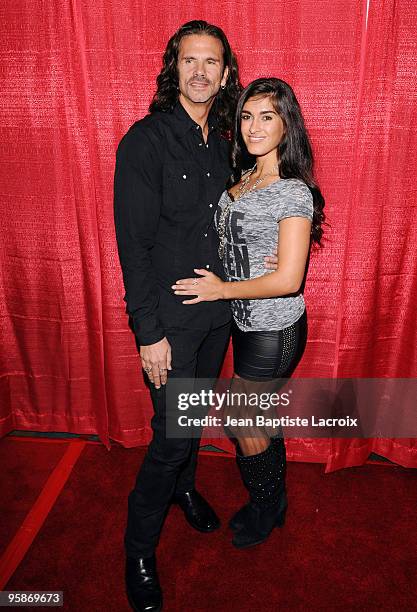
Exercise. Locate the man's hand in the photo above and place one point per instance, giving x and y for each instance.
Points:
(156, 361)
(271, 262)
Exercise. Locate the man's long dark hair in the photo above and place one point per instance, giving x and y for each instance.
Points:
(294, 152)
(167, 92)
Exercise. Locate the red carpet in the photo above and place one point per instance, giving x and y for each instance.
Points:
(34, 519)
(349, 542)
(21, 486)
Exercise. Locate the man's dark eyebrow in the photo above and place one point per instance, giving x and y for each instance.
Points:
(213, 59)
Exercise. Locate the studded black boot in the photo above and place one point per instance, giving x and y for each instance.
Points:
(238, 519)
(264, 477)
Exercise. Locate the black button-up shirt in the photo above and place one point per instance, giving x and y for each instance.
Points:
(166, 188)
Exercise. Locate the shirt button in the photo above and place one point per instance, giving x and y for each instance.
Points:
(211, 205)
(208, 173)
(207, 146)
(205, 235)
(207, 266)
(184, 176)
(200, 144)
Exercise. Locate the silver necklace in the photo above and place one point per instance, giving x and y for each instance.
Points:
(243, 188)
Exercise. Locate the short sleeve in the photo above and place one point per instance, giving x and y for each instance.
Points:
(294, 200)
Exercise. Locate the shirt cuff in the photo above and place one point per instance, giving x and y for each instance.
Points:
(148, 331)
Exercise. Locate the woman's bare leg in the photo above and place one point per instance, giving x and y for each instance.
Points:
(257, 443)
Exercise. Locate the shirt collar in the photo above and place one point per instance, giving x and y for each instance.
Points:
(183, 122)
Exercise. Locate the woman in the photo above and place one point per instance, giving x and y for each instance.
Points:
(275, 205)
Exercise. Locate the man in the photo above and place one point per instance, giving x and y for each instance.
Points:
(171, 168)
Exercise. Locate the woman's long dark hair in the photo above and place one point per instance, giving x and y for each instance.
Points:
(167, 92)
(294, 152)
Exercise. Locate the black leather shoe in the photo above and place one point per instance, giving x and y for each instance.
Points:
(197, 511)
(142, 584)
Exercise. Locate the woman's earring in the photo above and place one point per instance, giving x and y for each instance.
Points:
(222, 86)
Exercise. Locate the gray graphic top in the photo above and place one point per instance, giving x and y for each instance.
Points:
(252, 231)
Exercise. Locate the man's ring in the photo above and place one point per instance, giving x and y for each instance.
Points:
(147, 369)
(195, 282)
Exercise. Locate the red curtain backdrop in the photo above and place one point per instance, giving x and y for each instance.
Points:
(76, 75)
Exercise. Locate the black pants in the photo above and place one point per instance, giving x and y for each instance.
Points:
(170, 463)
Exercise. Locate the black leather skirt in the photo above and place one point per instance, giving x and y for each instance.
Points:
(263, 355)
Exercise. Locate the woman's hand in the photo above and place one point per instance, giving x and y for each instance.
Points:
(208, 287)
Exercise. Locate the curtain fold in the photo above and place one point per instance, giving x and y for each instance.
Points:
(75, 76)
(378, 290)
